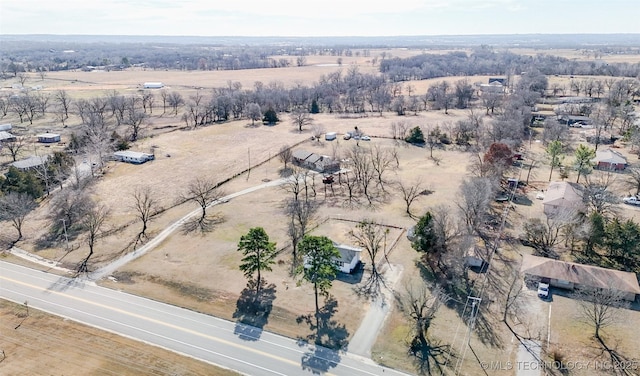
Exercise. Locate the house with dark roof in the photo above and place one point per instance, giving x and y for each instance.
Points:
(609, 159)
(313, 161)
(562, 196)
(570, 275)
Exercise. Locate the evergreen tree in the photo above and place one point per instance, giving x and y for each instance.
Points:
(415, 136)
(259, 254)
(270, 116)
(315, 109)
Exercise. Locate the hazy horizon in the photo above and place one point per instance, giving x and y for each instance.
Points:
(330, 18)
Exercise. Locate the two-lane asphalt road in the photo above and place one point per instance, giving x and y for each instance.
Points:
(242, 348)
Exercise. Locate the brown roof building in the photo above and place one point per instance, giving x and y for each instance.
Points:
(569, 275)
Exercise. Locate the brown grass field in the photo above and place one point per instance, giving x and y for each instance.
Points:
(200, 271)
(49, 345)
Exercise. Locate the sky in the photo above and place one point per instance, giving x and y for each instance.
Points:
(318, 17)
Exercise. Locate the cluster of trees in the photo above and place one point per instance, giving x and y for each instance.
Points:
(486, 61)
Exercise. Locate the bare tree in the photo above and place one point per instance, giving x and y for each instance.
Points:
(285, 154)
(544, 234)
(301, 214)
(420, 306)
(145, 205)
(410, 193)
(381, 160)
(301, 117)
(135, 119)
(317, 131)
(600, 308)
(473, 202)
(203, 192)
(64, 101)
(598, 196)
(15, 207)
(372, 237)
(93, 222)
(14, 147)
(175, 101)
(634, 181)
(253, 112)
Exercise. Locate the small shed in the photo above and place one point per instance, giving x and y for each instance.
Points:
(31, 162)
(330, 136)
(6, 137)
(473, 258)
(48, 138)
(153, 85)
(609, 159)
(134, 157)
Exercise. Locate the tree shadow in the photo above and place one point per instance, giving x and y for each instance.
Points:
(458, 292)
(207, 224)
(285, 172)
(252, 310)
(430, 358)
(330, 333)
(320, 360)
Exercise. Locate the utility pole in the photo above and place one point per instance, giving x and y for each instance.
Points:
(66, 237)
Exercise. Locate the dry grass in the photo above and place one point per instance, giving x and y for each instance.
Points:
(46, 344)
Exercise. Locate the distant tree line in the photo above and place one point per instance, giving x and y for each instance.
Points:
(485, 61)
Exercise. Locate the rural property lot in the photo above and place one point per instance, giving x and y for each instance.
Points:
(200, 270)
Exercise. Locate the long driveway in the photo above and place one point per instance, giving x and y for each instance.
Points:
(245, 349)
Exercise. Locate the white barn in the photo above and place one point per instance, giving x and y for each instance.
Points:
(135, 157)
(153, 85)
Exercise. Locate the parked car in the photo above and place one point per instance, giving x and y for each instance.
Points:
(543, 290)
(365, 138)
(631, 200)
(347, 136)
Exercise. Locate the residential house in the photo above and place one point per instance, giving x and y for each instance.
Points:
(31, 162)
(313, 161)
(609, 159)
(561, 197)
(570, 275)
(135, 157)
(6, 137)
(348, 260)
(48, 138)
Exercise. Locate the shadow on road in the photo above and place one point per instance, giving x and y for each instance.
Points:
(330, 333)
(64, 283)
(320, 360)
(253, 309)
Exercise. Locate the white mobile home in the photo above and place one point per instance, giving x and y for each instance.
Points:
(48, 138)
(5, 127)
(135, 157)
(153, 85)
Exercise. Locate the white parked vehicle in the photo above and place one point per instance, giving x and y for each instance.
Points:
(543, 290)
(631, 200)
(365, 138)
